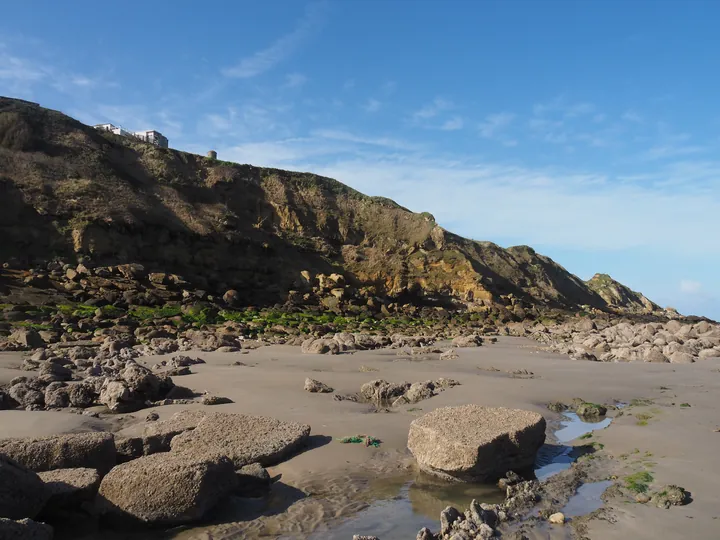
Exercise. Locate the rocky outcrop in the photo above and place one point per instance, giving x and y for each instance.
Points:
(473, 443)
(165, 489)
(243, 438)
(95, 450)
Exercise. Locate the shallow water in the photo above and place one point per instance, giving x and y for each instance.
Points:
(574, 427)
(417, 503)
(587, 499)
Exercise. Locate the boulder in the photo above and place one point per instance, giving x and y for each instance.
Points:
(681, 358)
(57, 395)
(28, 338)
(68, 489)
(54, 371)
(22, 493)
(381, 390)
(314, 386)
(166, 489)
(95, 450)
(140, 380)
(419, 391)
(215, 400)
(320, 346)
(591, 410)
(467, 341)
(24, 529)
(117, 396)
(243, 438)
(231, 297)
(253, 481)
(82, 395)
(473, 443)
(26, 395)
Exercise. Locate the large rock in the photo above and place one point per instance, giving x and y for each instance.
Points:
(68, 489)
(117, 396)
(243, 438)
(28, 338)
(24, 529)
(381, 390)
(315, 386)
(473, 443)
(320, 346)
(95, 450)
(467, 341)
(157, 435)
(166, 489)
(22, 493)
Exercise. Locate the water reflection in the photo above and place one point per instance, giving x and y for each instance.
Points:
(405, 504)
(575, 427)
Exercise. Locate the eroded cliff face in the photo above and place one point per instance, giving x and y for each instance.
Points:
(618, 296)
(68, 190)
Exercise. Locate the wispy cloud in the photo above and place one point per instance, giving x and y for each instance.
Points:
(21, 73)
(265, 59)
(295, 80)
(372, 105)
(340, 135)
(453, 124)
(431, 110)
(494, 124)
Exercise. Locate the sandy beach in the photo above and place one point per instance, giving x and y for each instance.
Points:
(331, 482)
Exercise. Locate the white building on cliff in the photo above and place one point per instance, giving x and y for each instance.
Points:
(151, 136)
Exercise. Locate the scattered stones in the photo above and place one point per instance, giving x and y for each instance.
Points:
(315, 386)
(166, 489)
(243, 438)
(450, 354)
(473, 443)
(95, 450)
(22, 493)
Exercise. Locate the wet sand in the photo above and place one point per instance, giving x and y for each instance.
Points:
(342, 478)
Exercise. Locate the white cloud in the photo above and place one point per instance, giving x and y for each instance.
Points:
(431, 110)
(266, 59)
(494, 123)
(294, 80)
(689, 286)
(453, 124)
(372, 105)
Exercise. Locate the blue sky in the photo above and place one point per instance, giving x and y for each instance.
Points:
(589, 130)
